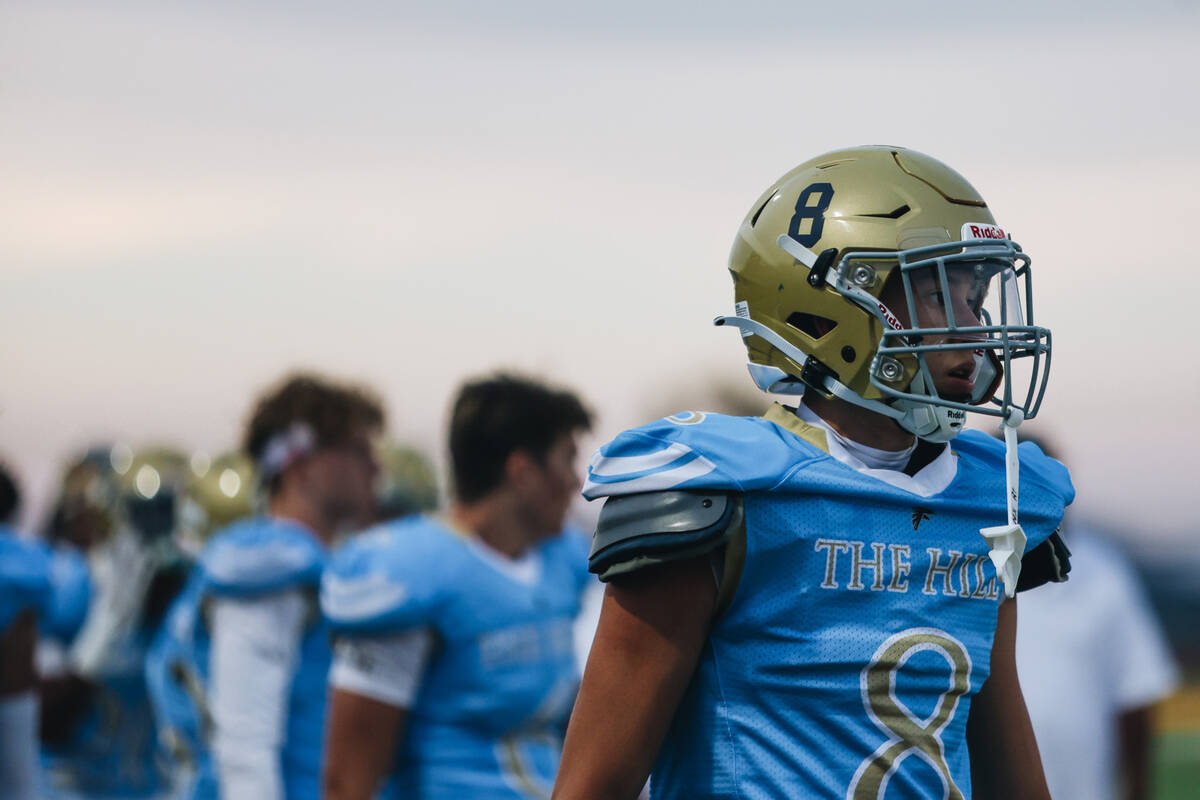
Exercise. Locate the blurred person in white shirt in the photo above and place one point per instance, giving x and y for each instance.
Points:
(1093, 663)
(247, 630)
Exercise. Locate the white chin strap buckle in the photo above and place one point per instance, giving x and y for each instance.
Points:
(1007, 544)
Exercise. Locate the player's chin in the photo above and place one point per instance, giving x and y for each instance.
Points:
(955, 397)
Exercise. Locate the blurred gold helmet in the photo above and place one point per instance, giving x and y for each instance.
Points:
(407, 481)
(88, 505)
(221, 491)
(152, 490)
(809, 266)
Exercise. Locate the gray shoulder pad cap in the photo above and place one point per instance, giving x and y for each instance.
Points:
(641, 529)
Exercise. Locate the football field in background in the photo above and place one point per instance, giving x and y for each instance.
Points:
(1177, 747)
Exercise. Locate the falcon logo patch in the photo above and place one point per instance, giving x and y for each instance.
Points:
(920, 515)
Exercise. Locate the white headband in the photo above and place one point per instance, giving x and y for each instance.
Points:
(284, 448)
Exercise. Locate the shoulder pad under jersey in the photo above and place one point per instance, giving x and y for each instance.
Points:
(710, 452)
(71, 593)
(1037, 468)
(390, 578)
(640, 530)
(24, 577)
(261, 555)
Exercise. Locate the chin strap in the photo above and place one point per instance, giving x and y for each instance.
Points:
(1007, 542)
(921, 419)
(830, 384)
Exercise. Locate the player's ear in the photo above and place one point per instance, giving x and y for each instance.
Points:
(520, 468)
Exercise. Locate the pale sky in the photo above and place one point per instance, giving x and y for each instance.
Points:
(194, 199)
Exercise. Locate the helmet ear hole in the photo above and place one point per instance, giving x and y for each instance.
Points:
(815, 326)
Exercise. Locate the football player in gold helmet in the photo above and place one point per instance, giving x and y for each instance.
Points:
(819, 602)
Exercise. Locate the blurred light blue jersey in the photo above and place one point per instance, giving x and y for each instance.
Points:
(112, 752)
(24, 578)
(862, 625)
(493, 702)
(71, 592)
(250, 558)
(177, 680)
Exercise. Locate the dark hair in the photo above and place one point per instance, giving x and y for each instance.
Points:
(497, 415)
(10, 495)
(333, 411)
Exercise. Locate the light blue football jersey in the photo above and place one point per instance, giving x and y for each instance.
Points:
(862, 625)
(493, 703)
(250, 558)
(177, 680)
(71, 593)
(24, 578)
(110, 751)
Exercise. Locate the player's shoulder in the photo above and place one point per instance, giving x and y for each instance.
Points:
(569, 544)
(568, 552)
(1036, 467)
(697, 450)
(22, 562)
(259, 555)
(402, 544)
(24, 576)
(71, 592)
(391, 577)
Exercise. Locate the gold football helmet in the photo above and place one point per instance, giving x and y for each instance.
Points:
(152, 490)
(220, 491)
(810, 266)
(88, 505)
(407, 482)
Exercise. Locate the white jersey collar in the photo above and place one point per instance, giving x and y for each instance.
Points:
(525, 569)
(886, 465)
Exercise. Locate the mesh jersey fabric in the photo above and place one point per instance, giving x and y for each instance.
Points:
(862, 624)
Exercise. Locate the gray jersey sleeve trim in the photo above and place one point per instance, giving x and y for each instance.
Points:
(639, 530)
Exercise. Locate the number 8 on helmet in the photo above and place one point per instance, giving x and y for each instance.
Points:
(842, 276)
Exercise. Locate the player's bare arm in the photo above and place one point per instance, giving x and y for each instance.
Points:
(18, 643)
(652, 627)
(1004, 756)
(361, 736)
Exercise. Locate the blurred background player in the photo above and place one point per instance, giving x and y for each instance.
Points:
(1093, 663)
(221, 491)
(455, 668)
(24, 595)
(820, 602)
(407, 482)
(123, 508)
(84, 513)
(257, 649)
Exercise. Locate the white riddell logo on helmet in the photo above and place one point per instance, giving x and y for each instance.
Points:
(982, 230)
(890, 317)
